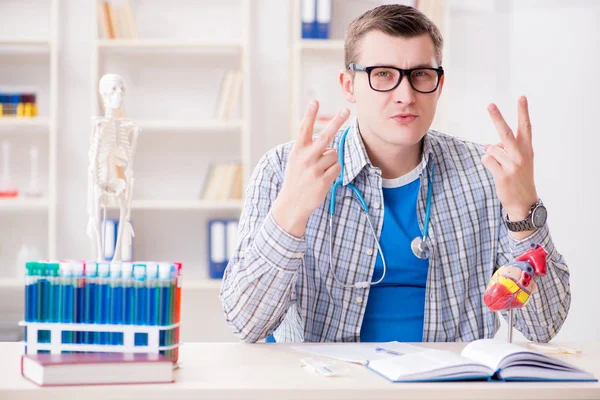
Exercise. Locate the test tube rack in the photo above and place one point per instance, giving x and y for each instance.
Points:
(56, 330)
(131, 307)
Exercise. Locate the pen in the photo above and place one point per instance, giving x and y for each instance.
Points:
(395, 353)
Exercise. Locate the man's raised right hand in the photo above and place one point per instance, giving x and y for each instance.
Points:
(311, 169)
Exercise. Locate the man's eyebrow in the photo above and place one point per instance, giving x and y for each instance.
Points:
(425, 65)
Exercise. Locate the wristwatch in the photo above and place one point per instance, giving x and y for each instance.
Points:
(535, 220)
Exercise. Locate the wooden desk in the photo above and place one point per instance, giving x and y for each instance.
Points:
(272, 371)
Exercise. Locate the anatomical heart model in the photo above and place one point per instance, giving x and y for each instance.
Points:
(513, 284)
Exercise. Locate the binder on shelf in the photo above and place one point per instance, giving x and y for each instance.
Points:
(323, 19)
(309, 14)
(222, 240)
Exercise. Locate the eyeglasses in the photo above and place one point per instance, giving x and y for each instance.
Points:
(384, 78)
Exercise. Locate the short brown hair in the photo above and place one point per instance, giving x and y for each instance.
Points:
(394, 20)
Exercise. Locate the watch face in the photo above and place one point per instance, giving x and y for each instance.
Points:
(539, 216)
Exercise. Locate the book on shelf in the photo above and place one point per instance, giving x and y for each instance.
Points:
(229, 95)
(485, 359)
(96, 368)
(115, 20)
(223, 182)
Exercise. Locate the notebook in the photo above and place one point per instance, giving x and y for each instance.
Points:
(486, 359)
(96, 368)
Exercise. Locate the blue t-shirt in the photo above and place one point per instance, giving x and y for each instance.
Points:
(396, 306)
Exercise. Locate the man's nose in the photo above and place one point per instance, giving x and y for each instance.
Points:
(404, 93)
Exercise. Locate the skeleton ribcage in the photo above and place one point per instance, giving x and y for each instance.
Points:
(113, 151)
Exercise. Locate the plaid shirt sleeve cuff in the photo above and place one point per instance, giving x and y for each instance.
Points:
(278, 248)
(540, 236)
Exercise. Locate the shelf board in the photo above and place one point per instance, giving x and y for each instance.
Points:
(8, 45)
(12, 282)
(208, 126)
(16, 125)
(23, 204)
(234, 205)
(320, 44)
(168, 45)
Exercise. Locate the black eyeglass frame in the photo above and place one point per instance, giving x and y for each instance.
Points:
(403, 72)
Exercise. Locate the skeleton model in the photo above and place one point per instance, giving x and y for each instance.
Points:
(110, 169)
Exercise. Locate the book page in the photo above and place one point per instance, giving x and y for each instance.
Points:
(491, 352)
(429, 365)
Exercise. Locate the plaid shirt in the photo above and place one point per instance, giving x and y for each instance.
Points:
(277, 283)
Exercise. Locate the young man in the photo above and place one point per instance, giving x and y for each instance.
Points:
(443, 213)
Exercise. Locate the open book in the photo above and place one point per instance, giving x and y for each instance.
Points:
(485, 359)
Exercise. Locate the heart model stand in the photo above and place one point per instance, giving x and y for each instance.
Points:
(512, 285)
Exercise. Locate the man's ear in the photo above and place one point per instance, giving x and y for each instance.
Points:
(347, 84)
(442, 79)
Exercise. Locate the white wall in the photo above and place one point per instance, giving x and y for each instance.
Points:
(546, 50)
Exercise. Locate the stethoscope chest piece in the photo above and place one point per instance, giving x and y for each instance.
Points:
(420, 248)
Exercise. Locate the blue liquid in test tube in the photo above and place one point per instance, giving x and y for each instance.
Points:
(116, 296)
(78, 268)
(103, 303)
(91, 271)
(140, 296)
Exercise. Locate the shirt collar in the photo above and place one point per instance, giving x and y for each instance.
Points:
(356, 157)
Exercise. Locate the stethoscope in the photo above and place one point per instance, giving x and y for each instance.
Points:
(419, 245)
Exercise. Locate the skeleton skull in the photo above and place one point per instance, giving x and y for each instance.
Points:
(112, 90)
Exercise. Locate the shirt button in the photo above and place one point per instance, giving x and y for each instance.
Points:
(370, 252)
(298, 255)
(431, 296)
(376, 205)
(359, 300)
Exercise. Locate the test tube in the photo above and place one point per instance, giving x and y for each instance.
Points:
(103, 303)
(116, 296)
(65, 299)
(91, 271)
(152, 284)
(43, 298)
(31, 279)
(128, 293)
(140, 298)
(79, 301)
(164, 278)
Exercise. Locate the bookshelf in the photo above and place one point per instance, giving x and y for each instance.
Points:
(29, 59)
(315, 63)
(173, 73)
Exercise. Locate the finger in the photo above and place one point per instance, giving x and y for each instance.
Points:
(327, 135)
(524, 131)
(332, 172)
(492, 165)
(501, 145)
(305, 132)
(506, 135)
(326, 161)
(499, 154)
